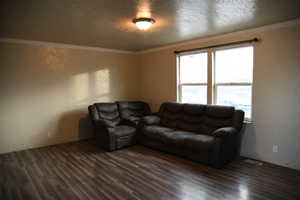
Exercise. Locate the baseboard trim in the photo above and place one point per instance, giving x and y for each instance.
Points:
(36, 146)
(273, 162)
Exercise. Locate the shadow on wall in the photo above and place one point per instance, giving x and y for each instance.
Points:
(248, 143)
(85, 128)
(73, 125)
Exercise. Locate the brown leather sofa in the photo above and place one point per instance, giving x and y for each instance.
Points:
(115, 124)
(204, 133)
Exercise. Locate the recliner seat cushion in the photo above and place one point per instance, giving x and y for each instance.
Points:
(124, 135)
(123, 130)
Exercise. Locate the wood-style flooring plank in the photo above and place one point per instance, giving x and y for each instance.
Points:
(81, 170)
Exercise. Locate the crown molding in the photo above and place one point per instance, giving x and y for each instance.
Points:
(63, 45)
(227, 35)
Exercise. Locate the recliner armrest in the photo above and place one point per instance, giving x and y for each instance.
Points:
(151, 120)
(130, 121)
(224, 132)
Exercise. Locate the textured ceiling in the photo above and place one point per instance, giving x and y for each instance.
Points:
(107, 23)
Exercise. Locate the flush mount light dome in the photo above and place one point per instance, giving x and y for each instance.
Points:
(143, 23)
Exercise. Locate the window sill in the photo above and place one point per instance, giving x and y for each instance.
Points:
(248, 121)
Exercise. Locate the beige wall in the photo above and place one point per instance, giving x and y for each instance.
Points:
(276, 96)
(45, 91)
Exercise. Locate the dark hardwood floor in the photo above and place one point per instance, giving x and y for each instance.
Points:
(81, 170)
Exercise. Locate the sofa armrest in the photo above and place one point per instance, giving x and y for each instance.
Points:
(224, 132)
(226, 146)
(151, 120)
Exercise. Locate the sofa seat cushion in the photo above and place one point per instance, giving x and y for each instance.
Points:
(199, 142)
(178, 137)
(190, 140)
(157, 132)
(121, 131)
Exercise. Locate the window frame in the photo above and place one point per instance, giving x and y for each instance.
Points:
(179, 84)
(211, 84)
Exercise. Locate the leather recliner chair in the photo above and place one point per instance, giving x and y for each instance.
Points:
(115, 124)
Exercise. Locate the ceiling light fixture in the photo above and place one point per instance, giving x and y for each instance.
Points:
(143, 23)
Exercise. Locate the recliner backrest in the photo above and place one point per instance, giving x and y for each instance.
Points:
(133, 109)
(108, 113)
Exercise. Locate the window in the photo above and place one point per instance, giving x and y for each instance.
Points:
(193, 78)
(230, 74)
(233, 78)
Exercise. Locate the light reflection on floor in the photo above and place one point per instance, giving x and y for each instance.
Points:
(191, 191)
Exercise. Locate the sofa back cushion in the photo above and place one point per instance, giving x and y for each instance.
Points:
(170, 114)
(133, 109)
(197, 118)
(192, 117)
(217, 117)
(108, 113)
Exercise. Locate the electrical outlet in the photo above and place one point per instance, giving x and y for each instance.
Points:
(275, 148)
(49, 134)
